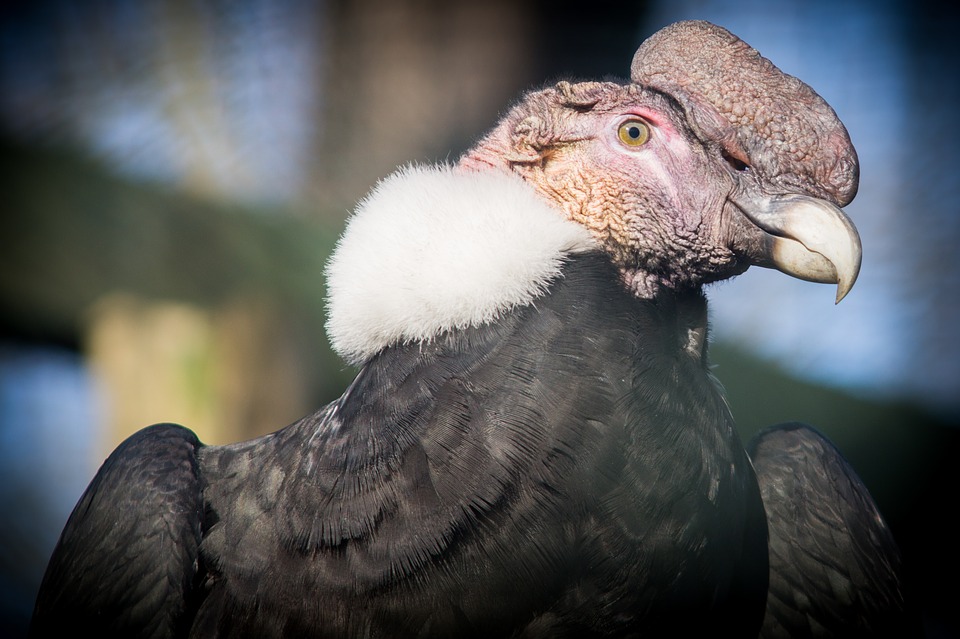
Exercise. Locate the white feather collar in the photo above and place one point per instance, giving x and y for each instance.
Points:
(431, 249)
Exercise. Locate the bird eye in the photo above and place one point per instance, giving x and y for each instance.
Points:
(634, 133)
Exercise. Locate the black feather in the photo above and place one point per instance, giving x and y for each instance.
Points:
(126, 560)
(570, 469)
(835, 569)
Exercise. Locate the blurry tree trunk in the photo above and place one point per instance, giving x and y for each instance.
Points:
(228, 373)
(412, 82)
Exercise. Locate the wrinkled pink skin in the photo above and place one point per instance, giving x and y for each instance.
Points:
(661, 210)
(731, 136)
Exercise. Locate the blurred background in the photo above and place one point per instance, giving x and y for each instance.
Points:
(174, 175)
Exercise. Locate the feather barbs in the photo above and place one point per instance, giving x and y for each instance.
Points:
(438, 248)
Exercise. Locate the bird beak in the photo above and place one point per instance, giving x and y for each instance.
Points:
(806, 237)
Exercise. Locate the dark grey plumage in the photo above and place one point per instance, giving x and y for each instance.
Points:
(835, 569)
(522, 476)
(126, 560)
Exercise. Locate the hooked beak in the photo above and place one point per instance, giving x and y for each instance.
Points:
(805, 237)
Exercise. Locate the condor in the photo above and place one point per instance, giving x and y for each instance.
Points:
(534, 445)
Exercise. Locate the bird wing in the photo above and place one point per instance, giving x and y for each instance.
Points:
(126, 559)
(835, 569)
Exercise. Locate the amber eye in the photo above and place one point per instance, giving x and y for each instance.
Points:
(634, 133)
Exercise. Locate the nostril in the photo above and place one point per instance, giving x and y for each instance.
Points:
(737, 164)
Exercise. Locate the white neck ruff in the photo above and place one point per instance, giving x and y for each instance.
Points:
(432, 249)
